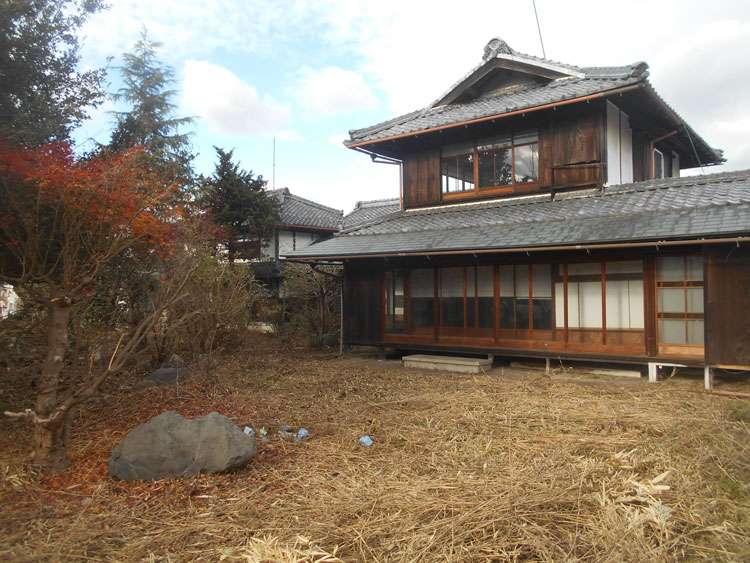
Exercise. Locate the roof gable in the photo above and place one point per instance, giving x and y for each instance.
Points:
(502, 69)
(297, 211)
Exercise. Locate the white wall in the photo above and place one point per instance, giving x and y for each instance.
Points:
(619, 147)
(295, 240)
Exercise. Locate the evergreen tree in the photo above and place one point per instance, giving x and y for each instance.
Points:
(239, 204)
(150, 121)
(42, 95)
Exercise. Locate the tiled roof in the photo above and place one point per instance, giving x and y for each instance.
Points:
(368, 211)
(595, 81)
(714, 205)
(555, 83)
(302, 212)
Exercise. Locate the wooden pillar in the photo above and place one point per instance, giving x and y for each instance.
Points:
(708, 378)
(653, 372)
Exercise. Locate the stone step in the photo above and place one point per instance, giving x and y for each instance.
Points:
(448, 363)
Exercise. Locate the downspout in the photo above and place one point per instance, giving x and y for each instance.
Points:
(380, 159)
(651, 150)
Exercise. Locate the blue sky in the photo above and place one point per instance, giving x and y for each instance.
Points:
(306, 72)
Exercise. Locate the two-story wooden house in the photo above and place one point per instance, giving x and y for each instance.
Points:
(543, 215)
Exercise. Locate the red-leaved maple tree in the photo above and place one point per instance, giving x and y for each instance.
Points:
(63, 221)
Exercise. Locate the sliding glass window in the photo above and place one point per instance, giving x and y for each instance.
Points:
(680, 316)
(422, 300)
(395, 301)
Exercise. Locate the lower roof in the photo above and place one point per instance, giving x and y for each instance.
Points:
(671, 209)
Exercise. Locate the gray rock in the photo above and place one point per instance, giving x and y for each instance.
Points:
(174, 361)
(171, 445)
(168, 376)
(144, 364)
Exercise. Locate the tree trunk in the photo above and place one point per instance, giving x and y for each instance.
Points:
(50, 448)
(49, 445)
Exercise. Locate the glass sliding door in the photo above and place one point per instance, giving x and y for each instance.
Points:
(526, 306)
(395, 301)
(624, 303)
(422, 301)
(485, 291)
(452, 301)
(679, 297)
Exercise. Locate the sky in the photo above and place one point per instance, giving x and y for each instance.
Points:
(305, 72)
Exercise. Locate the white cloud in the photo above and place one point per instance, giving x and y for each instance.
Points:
(229, 105)
(291, 136)
(334, 90)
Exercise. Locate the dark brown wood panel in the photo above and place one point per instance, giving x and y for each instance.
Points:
(577, 175)
(422, 178)
(362, 305)
(641, 161)
(728, 305)
(576, 140)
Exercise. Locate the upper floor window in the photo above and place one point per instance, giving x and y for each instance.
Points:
(457, 168)
(504, 161)
(508, 159)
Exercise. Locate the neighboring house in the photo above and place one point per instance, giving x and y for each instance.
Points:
(543, 215)
(301, 222)
(368, 211)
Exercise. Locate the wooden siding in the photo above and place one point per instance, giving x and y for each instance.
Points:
(728, 306)
(641, 160)
(571, 154)
(362, 306)
(422, 178)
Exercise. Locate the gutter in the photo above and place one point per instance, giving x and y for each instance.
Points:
(501, 115)
(586, 247)
(308, 228)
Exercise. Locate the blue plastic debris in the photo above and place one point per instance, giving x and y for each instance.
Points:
(365, 441)
(249, 431)
(301, 434)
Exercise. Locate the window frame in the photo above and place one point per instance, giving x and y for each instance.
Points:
(488, 191)
(684, 285)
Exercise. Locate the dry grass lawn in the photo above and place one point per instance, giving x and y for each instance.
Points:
(507, 466)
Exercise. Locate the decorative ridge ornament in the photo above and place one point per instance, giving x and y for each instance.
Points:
(495, 47)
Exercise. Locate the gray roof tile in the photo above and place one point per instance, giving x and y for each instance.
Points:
(302, 212)
(368, 211)
(670, 209)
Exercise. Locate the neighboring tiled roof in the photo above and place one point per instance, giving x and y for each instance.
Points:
(302, 212)
(714, 205)
(368, 211)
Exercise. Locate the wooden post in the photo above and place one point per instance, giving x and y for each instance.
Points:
(381, 353)
(708, 378)
(343, 348)
(653, 372)
(546, 366)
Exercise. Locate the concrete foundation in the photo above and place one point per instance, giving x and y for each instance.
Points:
(588, 370)
(448, 363)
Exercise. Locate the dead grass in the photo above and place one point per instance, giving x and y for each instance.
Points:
(463, 468)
